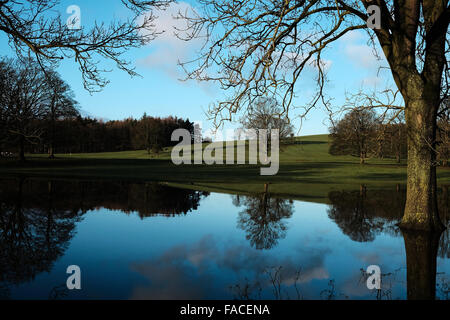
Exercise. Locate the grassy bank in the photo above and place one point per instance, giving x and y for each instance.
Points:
(306, 171)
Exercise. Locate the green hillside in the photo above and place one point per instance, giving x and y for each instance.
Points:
(307, 171)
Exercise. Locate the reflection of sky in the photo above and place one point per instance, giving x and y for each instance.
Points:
(200, 255)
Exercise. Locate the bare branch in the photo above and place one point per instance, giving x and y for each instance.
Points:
(33, 26)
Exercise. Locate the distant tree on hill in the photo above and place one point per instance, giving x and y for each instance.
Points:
(143, 134)
(396, 145)
(267, 114)
(355, 134)
(153, 134)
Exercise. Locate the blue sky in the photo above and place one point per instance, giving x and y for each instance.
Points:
(159, 92)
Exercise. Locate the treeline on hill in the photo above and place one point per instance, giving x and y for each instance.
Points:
(84, 135)
(361, 133)
(39, 114)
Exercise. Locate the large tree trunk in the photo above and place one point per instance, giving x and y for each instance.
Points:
(421, 211)
(420, 88)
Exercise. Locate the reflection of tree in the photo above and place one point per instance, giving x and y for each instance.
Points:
(388, 280)
(444, 243)
(443, 287)
(362, 215)
(38, 217)
(365, 213)
(153, 199)
(148, 199)
(421, 252)
(263, 219)
(236, 200)
(31, 238)
(444, 205)
(4, 291)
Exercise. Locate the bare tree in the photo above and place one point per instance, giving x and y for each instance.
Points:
(355, 134)
(258, 48)
(33, 26)
(5, 85)
(388, 107)
(24, 100)
(267, 114)
(62, 104)
(396, 140)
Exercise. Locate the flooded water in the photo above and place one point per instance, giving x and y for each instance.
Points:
(153, 241)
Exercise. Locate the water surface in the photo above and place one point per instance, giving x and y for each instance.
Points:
(153, 241)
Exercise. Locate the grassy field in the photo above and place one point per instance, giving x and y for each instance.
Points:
(306, 171)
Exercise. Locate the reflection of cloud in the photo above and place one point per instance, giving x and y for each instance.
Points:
(207, 270)
(178, 274)
(369, 257)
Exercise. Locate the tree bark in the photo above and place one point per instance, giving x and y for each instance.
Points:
(421, 211)
(420, 88)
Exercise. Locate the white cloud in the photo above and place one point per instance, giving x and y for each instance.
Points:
(372, 81)
(168, 48)
(352, 36)
(362, 55)
(358, 51)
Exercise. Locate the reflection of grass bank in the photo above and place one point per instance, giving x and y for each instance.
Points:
(307, 171)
